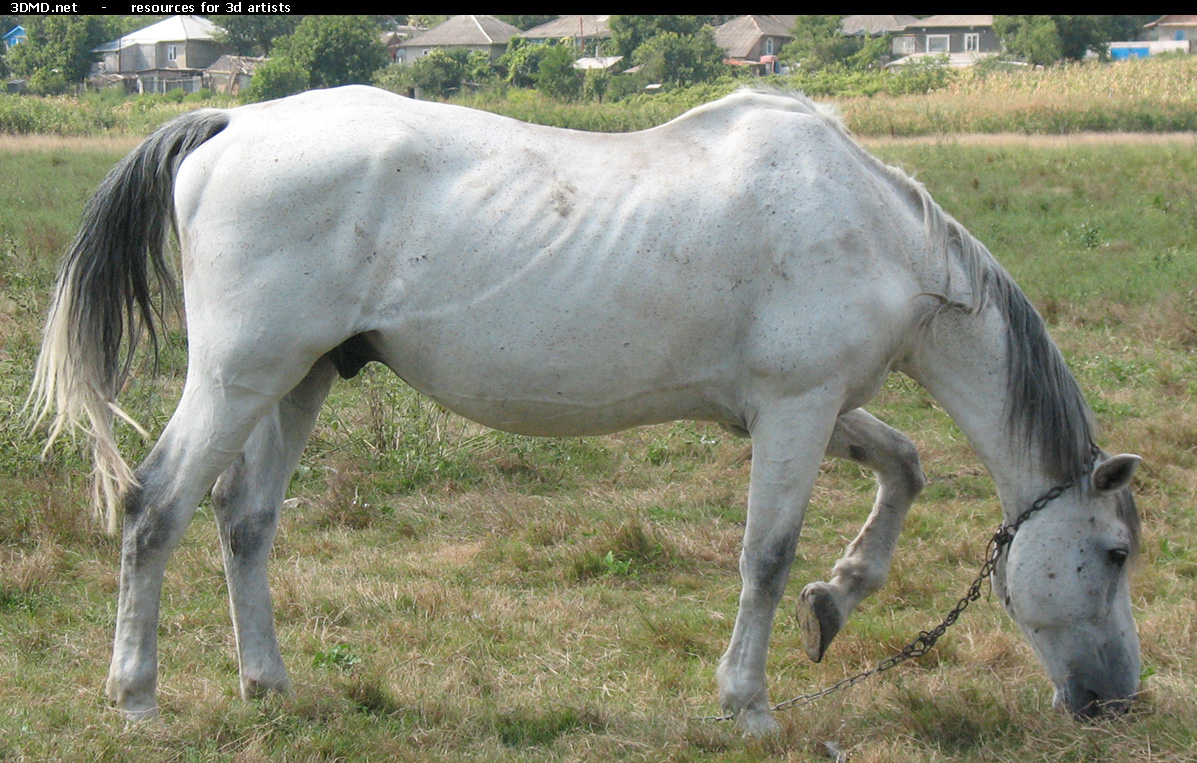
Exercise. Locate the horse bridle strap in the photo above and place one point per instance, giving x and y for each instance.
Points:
(926, 640)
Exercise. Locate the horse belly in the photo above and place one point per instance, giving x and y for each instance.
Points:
(564, 369)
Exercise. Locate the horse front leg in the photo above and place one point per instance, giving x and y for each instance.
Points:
(247, 499)
(825, 606)
(788, 441)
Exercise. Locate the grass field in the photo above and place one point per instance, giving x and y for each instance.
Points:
(446, 593)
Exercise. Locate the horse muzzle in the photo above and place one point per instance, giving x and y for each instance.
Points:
(1086, 703)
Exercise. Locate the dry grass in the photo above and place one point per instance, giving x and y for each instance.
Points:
(23, 143)
(443, 593)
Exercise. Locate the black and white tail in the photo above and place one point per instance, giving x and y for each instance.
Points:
(102, 299)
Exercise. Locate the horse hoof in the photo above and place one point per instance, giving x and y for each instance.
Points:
(757, 723)
(819, 619)
(140, 716)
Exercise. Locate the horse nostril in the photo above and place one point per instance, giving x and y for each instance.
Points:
(1087, 705)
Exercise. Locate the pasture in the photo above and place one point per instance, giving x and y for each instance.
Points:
(448, 592)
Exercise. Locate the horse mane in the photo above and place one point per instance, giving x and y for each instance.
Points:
(1046, 411)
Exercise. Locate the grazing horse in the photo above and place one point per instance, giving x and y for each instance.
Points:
(746, 264)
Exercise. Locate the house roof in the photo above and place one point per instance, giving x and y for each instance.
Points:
(172, 29)
(935, 22)
(1174, 21)
(740, 35)
(875, 25)
(571, 26)
(465, 30)
(597, 62)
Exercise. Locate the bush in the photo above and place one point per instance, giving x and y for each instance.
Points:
(277, 78)
(556, 76)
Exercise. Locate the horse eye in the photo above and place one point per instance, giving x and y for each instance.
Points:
(1117, 556)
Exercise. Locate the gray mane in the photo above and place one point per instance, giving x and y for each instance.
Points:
(1046, 411)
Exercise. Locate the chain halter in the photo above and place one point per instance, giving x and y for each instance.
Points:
(925, 641)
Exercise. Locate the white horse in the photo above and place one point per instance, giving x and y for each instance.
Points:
(747, 264)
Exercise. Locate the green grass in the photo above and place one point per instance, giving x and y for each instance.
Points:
(445, 593)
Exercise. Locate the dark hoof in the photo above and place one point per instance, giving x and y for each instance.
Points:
(819, 619)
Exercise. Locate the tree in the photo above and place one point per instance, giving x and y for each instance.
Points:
(819, 43)
(1045, 40)
(336, 50)
(1034, 39)
(254, 35)
(556, 76)
(678, 59)
(439, 74)
(630, 32)
(521, 61)
(60, 45)
(330, 50)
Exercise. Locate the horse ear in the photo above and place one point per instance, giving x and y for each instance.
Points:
(1115, 472)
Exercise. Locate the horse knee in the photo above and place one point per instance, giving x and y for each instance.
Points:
(765, 570)
(859, 577)
(152, 526)
(247, 525)
(909, 467)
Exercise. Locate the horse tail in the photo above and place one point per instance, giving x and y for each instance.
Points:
(103, 299)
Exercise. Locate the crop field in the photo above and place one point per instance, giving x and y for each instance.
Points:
(445, 592)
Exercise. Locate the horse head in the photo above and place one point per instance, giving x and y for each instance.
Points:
(1065, 580)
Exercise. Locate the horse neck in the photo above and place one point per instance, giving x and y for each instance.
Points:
(1003, 382)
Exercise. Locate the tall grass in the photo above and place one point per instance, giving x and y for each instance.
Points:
(1146, 95)
(96, 113)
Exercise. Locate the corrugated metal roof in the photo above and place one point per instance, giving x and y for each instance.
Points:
(952, 21)
(875, 25)
(172, 29)
(466, 30)
(571, 26)
(1174, 21)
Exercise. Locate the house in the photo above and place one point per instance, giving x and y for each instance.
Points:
(875, 26)
(484, 33)
(1167, 34)
(1174, 28)
(169, 54)
(755, 41)
(230, 74)
(587, 32)
(393, 38)
(964, 39)
(14, 36)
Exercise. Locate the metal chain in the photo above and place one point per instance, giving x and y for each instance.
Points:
(926, 640)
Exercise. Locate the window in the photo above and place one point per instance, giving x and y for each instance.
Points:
(905, 45)
(938, 43)
(768, 46)
(172, 52)
(972, 42)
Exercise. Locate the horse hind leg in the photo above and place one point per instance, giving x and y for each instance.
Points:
(825, 606)
(246, 499)
(208, 429)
